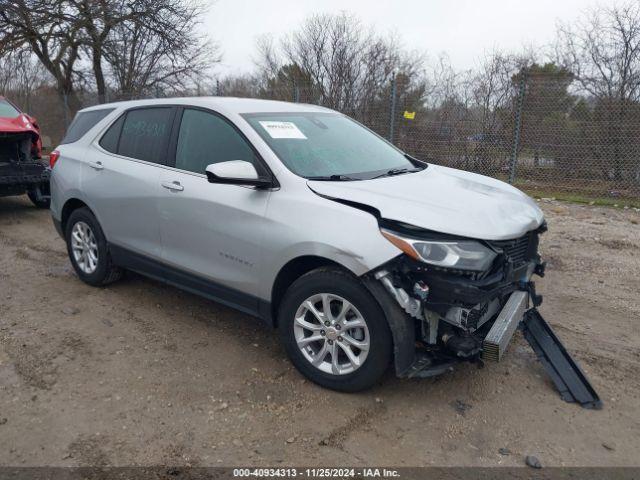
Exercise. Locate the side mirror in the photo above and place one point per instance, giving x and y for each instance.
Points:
(236, 172)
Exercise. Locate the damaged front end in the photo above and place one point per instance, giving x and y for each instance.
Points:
(454, 299)
(21, 170)
(458, 295)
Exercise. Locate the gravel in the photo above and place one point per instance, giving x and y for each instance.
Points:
(144, 374)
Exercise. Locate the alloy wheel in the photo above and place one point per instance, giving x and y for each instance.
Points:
(331, 334)
(84, 247)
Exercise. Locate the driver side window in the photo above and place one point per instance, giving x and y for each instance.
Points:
(205, 138)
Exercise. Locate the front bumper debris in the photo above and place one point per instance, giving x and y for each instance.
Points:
(440, 318)
(495, 343)
(566, 374)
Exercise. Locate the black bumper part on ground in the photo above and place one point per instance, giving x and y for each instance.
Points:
(563, 370)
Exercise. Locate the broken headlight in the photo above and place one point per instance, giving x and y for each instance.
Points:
(458, 254)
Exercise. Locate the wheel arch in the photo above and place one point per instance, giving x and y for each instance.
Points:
(69, 207)
(293, 270)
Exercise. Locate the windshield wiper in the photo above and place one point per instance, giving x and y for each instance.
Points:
(397, 171)
(334, 178)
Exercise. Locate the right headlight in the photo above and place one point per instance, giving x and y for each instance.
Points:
(458, 254)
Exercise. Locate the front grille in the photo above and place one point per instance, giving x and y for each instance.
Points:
(520, 250)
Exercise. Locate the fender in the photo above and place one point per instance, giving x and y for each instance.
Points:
(402, 326)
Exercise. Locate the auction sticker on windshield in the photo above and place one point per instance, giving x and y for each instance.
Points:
(282, 129)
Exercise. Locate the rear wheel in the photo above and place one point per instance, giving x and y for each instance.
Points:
(88, 249)
(39, 197)
(334, 331)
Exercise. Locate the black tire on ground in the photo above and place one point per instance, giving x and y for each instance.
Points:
(38, 197)
(347, 286)
(106, 272)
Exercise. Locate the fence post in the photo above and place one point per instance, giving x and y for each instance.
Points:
(392, 116)
(296, 93)
(517, 127)
(65, 108)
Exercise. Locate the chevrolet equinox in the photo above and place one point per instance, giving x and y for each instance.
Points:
(361, 255)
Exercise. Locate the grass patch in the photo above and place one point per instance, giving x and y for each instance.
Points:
(616, 202)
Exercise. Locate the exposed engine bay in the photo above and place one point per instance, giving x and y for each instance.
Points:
(454, 307)
(15, 147)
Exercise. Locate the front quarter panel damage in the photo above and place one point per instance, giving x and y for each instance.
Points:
(402, 326)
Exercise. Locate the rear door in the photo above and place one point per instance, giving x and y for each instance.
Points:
(212, 232)
(123, 179)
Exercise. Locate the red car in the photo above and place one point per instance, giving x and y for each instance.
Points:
(21, 170)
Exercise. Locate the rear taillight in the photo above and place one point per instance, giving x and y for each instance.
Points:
(53, 158)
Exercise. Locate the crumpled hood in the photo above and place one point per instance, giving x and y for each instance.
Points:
(444, 200)
(20, 124)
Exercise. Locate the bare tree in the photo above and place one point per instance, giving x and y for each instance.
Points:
(444, 83)
(490, 95)
(247, 85)
(141, 44)
(96, 21)
(43, 26)
(347, 63)
(158, 48)
(21, 75)
(603, 51)
(492, 88)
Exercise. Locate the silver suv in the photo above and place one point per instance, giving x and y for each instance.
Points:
(359, 254)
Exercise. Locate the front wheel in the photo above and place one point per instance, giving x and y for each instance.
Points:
(334, 331)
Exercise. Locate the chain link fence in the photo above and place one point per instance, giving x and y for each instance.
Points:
(543, 134)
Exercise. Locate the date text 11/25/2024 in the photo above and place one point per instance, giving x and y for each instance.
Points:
(317, 472)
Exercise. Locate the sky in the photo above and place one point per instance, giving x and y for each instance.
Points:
(464, 29)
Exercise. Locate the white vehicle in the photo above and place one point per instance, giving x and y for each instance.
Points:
(361, 255)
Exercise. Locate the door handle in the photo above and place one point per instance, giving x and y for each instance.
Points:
(96, 165)
(174, 186)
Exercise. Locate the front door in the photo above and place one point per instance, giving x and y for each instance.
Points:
(212, 233)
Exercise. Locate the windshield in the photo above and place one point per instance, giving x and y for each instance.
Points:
(7, 110)
(327, 146)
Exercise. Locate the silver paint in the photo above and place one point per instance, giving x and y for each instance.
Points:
(190, 224)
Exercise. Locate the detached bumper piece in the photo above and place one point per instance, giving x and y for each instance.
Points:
(568, 377)
(498, 338)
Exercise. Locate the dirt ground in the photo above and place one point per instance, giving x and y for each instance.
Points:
(140, 373)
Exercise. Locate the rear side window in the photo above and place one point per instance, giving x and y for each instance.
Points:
(83, 122)
(145, 134)
(109, 140)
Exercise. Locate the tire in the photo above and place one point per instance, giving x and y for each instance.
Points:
(38, 198)
(340, 287)
(104, 271)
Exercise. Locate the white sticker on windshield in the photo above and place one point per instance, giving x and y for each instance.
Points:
(282, 130)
